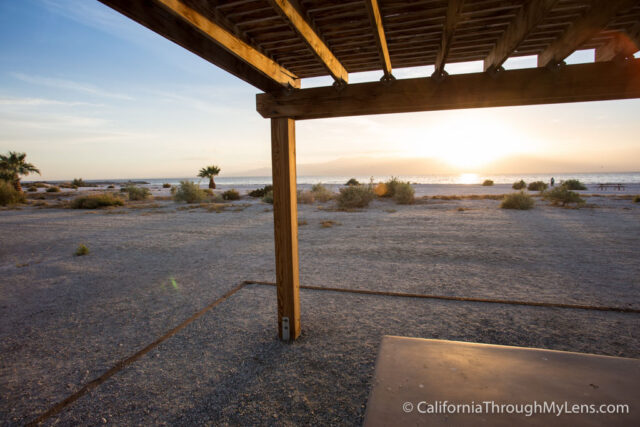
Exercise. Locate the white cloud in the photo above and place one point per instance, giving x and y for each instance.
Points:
(38, 102)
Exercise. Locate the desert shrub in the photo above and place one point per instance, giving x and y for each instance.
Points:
(487, 183)
(189, 192)
(268, 197)
(231, 195)
(636, 199)
(95, 201)
(32, 189)
(562, 196)
(387, 189)
(520, 200)
(260, 192)
(39, 185)
(53, 189)
(537, 186)
(404, 193)
(82, 250)
(78, 182)
(355, 196)
(111, 186)
(166, 185)
(137, 193)
(519, 185)
(321, 193)
(573, 184)
(352, 181)
(306, 197)
(9, 195)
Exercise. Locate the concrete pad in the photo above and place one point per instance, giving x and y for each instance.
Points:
(438, 382)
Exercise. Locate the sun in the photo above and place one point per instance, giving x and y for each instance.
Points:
(468, 142)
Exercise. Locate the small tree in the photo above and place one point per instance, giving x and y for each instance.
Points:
(13, 165)
(210, 172)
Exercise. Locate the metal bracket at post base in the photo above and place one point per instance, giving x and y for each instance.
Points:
(285, 329)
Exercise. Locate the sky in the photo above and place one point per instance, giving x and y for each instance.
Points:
(86, 92)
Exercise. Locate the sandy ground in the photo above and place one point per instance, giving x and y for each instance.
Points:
(67, 319)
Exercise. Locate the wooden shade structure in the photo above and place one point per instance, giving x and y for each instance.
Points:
(273, 44)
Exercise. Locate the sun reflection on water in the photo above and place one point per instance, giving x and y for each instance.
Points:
(468, 178)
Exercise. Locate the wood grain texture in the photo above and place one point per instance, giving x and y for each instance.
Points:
(453, 15)
(312, 39)
(527, 18)
(583, 29)
(381, 41)
(573, 83)
(285, 220)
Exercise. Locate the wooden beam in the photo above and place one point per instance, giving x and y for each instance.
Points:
(527, 18)
(573, 83)
(622, 45)
(453, 16)
(179, 23)
(285, 221)
(583, 29)
(381, 39)
(311, 38)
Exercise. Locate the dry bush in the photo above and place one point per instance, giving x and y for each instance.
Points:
(573, 184)
(268, 197)
(519, 185)
(53, 189)
(487, 183)
(322, 193)
(82, 250)
(9, 195)
(520, 200)
(355, 196)
(404, 193)
(231, 195)
(189, 192)
(562, 196)
(537, 186)
(137, 193)
(95, 201)
(306, 197)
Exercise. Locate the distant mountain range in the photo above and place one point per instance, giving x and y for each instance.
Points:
(363, 166)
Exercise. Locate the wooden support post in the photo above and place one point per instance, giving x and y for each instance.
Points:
(285, 221)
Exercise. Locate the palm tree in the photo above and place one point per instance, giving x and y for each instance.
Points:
(13, 165)
(209, 172)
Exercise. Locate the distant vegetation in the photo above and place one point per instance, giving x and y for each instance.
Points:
(306, 197)
(268, 197)
(520, 200)
(573, 184)
(32, 189)
(9, 195)
(386, 189)
(404, 193)
(537, 186)
(636, 199)
(231, 195)
(12, 166)
(355, 196)
(95, 201)
(53, 189)
(487, 183)
(519, 185)
(166, 185)
(189, 192)
(79, 182)
(352, 181)
(137, 193)
(322, 193)
(260, 192)
(209, 172)
(82, 250)
(561, 195)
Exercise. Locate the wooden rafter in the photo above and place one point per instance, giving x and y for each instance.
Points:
(574, 83)
(531, 14)
(453, 16)
(622, 45)
(312, 39)
(381, 39)
(583, 29)
(178, 22)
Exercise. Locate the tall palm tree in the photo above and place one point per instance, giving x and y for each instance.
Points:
(209, 172)
(13, 165)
